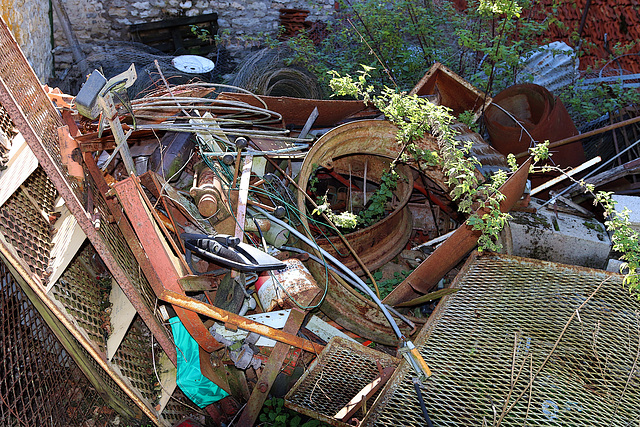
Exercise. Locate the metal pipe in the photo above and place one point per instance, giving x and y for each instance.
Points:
(593, 172)
(241, 322)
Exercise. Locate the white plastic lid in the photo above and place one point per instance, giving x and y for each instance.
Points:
(193, 64)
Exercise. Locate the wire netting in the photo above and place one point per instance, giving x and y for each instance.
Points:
(510, 325)
(40, 383)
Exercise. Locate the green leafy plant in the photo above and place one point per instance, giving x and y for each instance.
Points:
(345, 220)
(378, 203)
(274, 414)
(386, 286)
(416, 117)
(625, 240)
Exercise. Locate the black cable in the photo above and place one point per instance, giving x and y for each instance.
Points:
(416, 385)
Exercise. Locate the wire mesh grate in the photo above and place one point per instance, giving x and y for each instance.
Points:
(501, 325)
(85, 295)
(342, 370)
(23, 221)
(134, 359)
(40, 384)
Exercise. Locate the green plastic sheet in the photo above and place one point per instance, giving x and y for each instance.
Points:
(196, 386)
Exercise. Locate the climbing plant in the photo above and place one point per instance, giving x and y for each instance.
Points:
(416, 117)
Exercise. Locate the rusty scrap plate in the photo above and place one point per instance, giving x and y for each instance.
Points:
(334, 378)
(452, 90)
(507, 317)
(296, 111)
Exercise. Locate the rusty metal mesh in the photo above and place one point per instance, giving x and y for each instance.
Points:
(40, 383)
(35, 107)
(338, 374)
(23, 221)
(502, 324)
(85, 295)
(134, 359)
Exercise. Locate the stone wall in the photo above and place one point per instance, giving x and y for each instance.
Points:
(29, 22)
(243, 24)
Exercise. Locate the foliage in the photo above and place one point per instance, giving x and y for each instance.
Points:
(415, 117)
(589, 103)
(625, 240)
(495, 38)
(345, 220)
(378, 202)
(386, 286)
(468, 118)
(274, 414)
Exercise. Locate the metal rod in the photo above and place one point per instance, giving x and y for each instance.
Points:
(593, 172)
(240, 321)
(585, 135)
(566, 175)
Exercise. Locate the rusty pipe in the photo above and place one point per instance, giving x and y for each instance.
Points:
(241, 322)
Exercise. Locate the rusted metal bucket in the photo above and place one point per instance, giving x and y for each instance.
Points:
(541, 114)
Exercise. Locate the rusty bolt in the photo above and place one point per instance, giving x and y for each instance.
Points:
(263, 387)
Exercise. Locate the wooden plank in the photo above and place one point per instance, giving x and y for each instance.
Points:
(122, 314)
(188, 20)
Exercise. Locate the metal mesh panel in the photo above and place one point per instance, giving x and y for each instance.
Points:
(6, 124)
(40, 384)
(22, 95)
(502, 324)
(134, 359)
(25, 88)
(23, 223)
(119, 250)
(85, 296)
(340, 372)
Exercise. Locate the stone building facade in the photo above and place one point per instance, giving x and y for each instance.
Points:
(242, 23)
(30, 23)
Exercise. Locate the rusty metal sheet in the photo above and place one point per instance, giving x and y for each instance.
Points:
(452, 91)
(454, 249)
(168, 269)
(296, 111)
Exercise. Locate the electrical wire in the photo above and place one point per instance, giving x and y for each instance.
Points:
(360, 284)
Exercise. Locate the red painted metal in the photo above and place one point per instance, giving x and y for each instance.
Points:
(161, 260)
(296, 111)
(543, 115)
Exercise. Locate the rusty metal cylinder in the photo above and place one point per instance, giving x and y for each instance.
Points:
(294, 281)
(543, 116)
(207, 192)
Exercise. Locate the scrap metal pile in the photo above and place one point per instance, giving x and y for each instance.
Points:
(201, 202)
